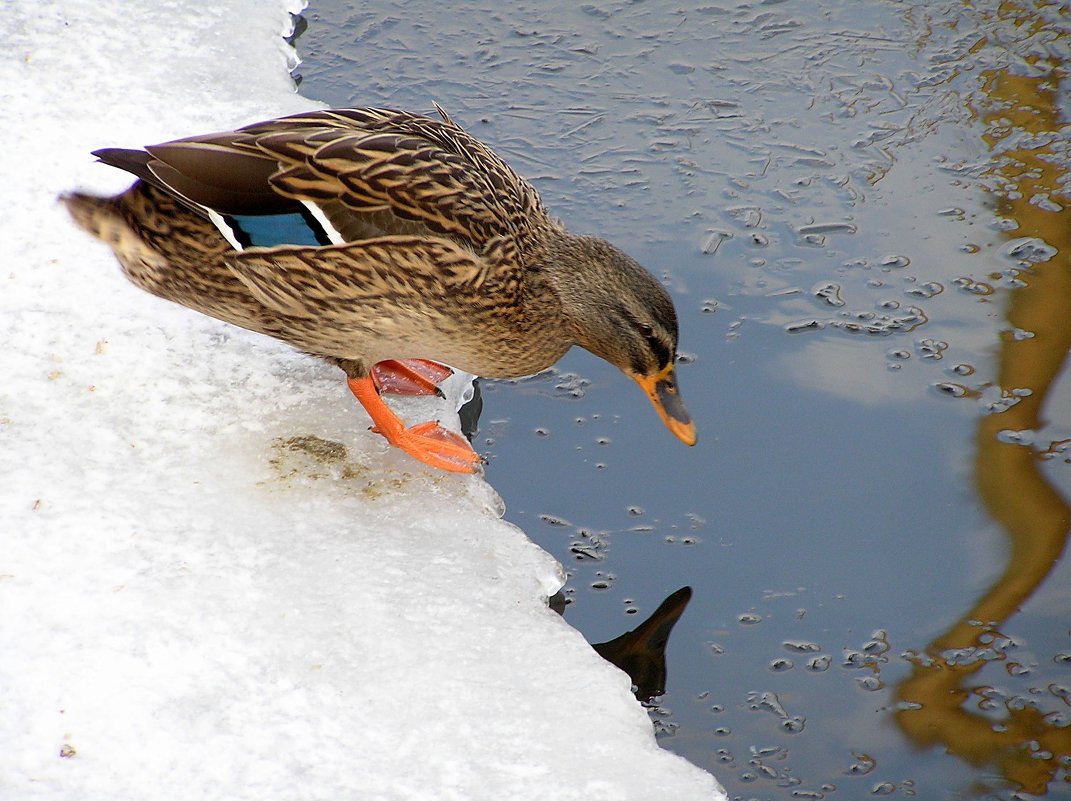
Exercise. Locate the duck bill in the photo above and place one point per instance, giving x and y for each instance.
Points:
(661, 388)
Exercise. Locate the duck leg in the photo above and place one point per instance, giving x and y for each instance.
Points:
(427, 442)
(410, 376)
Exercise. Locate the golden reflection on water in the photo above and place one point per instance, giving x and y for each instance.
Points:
(1026, 746)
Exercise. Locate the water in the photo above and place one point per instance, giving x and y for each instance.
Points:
(861, 210)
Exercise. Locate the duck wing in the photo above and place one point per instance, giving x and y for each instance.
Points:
(362, 172)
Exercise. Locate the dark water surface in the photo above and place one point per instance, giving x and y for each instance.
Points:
(862, 211)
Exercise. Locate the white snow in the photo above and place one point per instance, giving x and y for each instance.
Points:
(201, 596)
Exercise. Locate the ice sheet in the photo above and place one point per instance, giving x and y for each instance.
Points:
(214, 582)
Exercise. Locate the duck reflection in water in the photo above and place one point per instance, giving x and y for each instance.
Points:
(641, 652)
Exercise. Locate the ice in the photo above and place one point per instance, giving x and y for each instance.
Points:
(214, 582)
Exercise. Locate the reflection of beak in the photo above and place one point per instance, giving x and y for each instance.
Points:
(661, 388)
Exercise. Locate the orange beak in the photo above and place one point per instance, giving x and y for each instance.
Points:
(661, 388)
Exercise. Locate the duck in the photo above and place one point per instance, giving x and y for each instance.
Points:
(392, 244)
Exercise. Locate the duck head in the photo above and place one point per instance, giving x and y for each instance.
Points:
(619, 312)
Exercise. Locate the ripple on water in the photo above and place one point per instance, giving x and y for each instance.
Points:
(828, 292)
(766, 702)
(827, 228)
(894, 261)
(820, 664)
(932, 349)
(1012, 437)
(925, 291)
(951, 389)
(801, 647)
(972, 287)
(1030, 249)
(864, 322)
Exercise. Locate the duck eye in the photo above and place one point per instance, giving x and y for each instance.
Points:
(658, 349)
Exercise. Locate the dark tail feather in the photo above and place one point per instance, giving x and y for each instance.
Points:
(135, 162)
(203, 179)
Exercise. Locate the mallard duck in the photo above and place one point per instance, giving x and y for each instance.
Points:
(390, 244)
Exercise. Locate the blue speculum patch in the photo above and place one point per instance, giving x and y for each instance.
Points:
(271, 230)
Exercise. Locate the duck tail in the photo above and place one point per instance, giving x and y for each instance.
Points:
(109, 220)
(96, 215)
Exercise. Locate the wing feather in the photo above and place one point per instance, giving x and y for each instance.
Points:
(425, 172)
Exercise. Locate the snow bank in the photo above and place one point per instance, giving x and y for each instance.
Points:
(214, 583)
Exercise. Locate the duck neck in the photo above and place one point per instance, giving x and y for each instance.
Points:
(577, 284)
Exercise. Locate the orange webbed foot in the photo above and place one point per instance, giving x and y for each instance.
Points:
(427, 442)
(436, 446)
(410, 376)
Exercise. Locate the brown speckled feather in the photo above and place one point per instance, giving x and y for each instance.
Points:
(398, 294)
